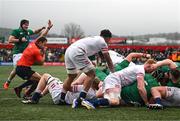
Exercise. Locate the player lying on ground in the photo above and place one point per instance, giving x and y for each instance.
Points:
(53, 85)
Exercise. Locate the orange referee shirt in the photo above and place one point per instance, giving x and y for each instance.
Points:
(30, 55)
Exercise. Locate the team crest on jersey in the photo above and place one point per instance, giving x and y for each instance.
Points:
(21, 33)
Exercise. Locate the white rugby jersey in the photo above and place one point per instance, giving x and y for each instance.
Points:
(115, 57)
(128, 75)
(91, 45)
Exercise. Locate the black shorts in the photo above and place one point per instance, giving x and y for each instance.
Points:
(24, 72)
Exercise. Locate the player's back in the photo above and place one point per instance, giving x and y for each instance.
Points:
(128, 75)
(131, 93)
(91, 45)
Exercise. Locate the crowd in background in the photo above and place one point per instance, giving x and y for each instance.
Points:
(57, 55)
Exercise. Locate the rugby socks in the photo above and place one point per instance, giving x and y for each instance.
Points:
(32, 88)
(77, 88)
(36, 96)
(63, 95)
(83, 94)
(99, 102)
(158, 100)
(25, 84)
(8, 81)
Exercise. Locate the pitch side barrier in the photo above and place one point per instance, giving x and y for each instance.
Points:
(136, 47)
(64, 46)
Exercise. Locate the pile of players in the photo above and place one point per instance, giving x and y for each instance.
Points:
(153, 84)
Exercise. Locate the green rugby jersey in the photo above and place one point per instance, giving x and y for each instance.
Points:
(20, 33)
(131, 93)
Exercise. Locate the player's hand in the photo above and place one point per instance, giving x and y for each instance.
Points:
(43, 50)
(23, 39)
(49, 24)
(148, 56)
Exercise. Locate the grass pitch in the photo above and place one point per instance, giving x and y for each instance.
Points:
(11, 107)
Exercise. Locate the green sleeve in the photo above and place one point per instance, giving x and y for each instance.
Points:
(15, 33)
(30, 31)
(100, 74)
(122, 65)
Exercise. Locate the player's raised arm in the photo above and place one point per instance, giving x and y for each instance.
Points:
(39, 30)
(166, 62)
(137, 55)
(45, 32)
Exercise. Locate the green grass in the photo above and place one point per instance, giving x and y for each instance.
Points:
(11, 107)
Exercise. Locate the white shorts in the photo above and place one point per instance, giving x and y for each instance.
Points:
(70, 96)
(55, 87)
(172, 97)
(76, 59)
(111, 81)
(112, 84)
(16, 58)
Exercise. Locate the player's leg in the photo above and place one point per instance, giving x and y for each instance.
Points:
(28, 74)
(30, 89)
(88, 81)
(19, 88)
(111, 98)
(12, 74)
(158, 93)
(67, 86)
(40, 87)
(80, 80)
(71, 72)
(35, 78)
(113, 95)
(90, 72)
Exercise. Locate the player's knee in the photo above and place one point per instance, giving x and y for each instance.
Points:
(153, 89)
(91, 73)
(71, 77)
(114, 102)
(114, 98)
(46, 75)
(89, 69)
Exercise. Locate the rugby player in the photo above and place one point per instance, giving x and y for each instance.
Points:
(35, 52)
(76, 58)
(21, 38)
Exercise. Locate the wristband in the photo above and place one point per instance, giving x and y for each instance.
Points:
(20, 39)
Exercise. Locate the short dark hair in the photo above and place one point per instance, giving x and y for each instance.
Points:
(175, 73)
(23, 21)
(41, 39)
(106, 33)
